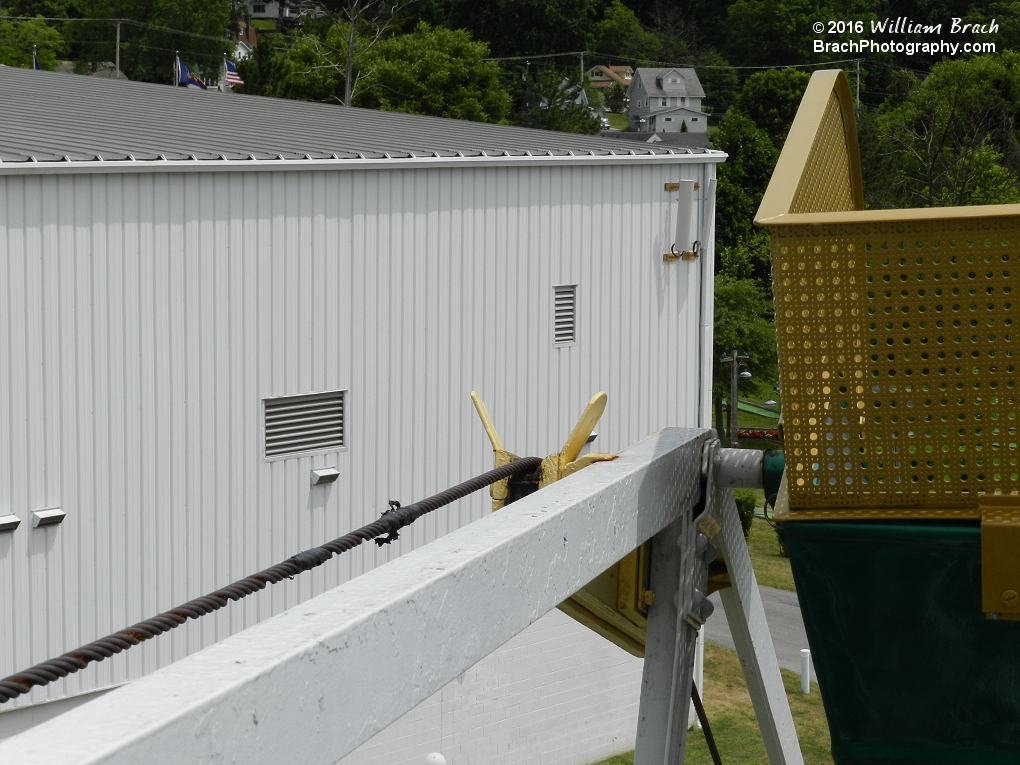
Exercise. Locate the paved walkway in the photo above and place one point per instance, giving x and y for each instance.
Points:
(782, 610)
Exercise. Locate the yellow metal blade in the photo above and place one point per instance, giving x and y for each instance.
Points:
(490, 429)
(585, 425)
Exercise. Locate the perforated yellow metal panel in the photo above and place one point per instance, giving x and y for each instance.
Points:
(826, 182)
(897, 360)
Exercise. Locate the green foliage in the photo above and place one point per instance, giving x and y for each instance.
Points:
(520, 27)
(785, 24)
(747, 259)
(265, 68)
(742, 178)
(743, 321)
(147, 53)
(745, 501)
(616, 98)
(619, 33)
(435, 71)
(548, 100)
(1007, 17)
(779, 32)
(770, 99)
(719, 80)
(18, 37)
(950, 139)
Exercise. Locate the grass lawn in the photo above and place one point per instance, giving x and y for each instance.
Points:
(770, 568)
(731, 716)
(618, 121)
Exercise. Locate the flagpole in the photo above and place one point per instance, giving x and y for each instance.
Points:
(177, 69)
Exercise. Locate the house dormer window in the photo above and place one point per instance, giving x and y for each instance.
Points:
(663, 101)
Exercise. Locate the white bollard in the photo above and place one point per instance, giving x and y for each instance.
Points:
(805, 670)
(435, 759)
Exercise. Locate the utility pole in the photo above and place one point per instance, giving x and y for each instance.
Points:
(858, 85)
(117, 62)
(736, 375)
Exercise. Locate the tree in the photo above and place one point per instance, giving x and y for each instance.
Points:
(520, 27)
(616, 98)
(356, 27)
(742, 178)
(744, 321)
(771, 99)
(436, 71)
(548, 99)
(18, 38)
(266, 71)
(199, 29)
(619, 33)
(952, 139)
(780, 32)
(784, 24)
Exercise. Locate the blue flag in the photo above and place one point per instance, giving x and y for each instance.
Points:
(35, 58)
(185, 77)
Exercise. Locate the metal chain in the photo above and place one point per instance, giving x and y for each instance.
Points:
(392, 521)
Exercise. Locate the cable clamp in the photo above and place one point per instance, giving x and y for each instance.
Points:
(392, 525)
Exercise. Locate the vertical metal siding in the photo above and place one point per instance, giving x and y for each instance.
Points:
(146, 316)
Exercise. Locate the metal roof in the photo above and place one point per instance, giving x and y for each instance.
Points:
(649, 79)
(56, 117)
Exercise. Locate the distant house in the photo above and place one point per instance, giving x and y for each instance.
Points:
(264, 9)
(604, 77)
(665, 101)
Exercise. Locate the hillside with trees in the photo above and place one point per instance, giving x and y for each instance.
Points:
(934, 129)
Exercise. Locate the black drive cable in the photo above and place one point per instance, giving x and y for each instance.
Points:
(389, 524)
(703, 718)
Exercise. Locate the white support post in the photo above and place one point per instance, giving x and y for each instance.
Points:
(677, 570)
(671, 638)
(666, 680)
(745, 614)
(315, 682)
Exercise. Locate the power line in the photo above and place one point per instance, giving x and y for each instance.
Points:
(689, 65)
(389, 524)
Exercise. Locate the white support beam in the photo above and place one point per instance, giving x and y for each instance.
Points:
(315, 682)
(745, 614)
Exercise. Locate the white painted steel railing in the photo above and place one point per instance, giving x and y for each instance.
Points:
(315, 682)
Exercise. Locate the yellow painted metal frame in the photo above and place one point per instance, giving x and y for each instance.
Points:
(897, 348)
(895, 331)
(615, 603)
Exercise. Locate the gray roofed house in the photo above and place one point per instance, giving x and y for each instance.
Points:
(54, 117)
(666, 100)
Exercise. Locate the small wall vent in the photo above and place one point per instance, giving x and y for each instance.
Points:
(298, 424)
(565, 319)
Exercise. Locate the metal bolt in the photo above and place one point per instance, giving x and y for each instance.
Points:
(1010, 598)
(704, 549)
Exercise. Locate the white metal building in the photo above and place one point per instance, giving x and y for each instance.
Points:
(177, 262)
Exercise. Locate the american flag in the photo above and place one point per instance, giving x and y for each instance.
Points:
(233, 78)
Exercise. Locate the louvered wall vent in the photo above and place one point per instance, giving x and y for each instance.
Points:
(296, 424)
(565, 320)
